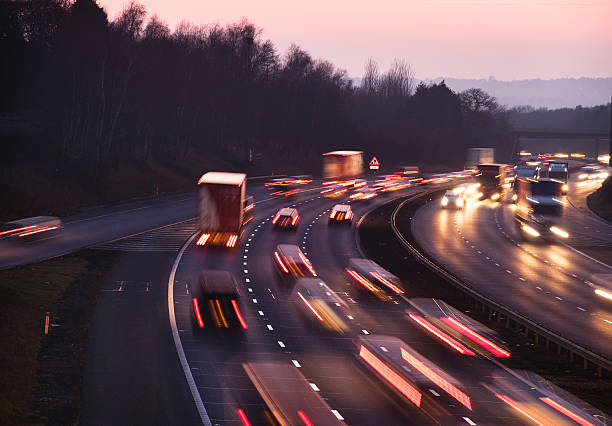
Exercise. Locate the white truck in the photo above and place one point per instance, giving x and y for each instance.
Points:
(476, 156)
(221, 208)
(342, 165)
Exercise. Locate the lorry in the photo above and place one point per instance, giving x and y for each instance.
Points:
(555, 170)
(476, 156)
(342, 165)
(221, 206)
(539, 205)
(491, 177)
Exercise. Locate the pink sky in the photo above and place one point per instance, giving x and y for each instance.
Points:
(510, 39)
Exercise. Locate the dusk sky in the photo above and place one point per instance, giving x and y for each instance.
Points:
(509, 39)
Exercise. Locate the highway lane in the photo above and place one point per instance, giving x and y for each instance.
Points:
(327, 361)
(274, 332)
(105, 224)
(547, 283)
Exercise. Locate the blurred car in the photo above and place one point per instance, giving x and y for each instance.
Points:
(372, 277)
(287, 218)
(341, 213)
(334, 191)
(215, 301)
(289, 397)
(591, 172)
(320, 306)
(290, 262)
(454, 198)
(30, 228)
(364, 193)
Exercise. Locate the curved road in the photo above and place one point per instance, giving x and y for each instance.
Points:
(327, 361)
(550, 283)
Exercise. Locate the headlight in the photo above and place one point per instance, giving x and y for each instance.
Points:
(459, 202)
(444, 201)
(583, 176)
(495, 196)
(603, 294)
(564, 188)
(559, 232)
(529, 230)
(514, 197)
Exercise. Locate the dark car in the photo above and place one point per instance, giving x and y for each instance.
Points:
(215, 301)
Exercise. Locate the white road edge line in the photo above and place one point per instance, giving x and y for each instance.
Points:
(197, 399)
(586, 255)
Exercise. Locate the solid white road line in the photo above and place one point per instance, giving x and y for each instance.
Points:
(177, 340)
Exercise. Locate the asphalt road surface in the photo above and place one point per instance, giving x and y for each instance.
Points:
(550, 283)
(328, 361)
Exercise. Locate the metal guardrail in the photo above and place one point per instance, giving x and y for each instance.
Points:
(538, 329)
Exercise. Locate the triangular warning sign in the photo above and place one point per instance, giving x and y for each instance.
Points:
(374, 162)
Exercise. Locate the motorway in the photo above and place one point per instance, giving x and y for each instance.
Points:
(145, 365)
(550, 283)
(106, 224)
(328, 361)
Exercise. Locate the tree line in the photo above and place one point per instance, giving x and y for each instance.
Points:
(584, 119)
(85, 95)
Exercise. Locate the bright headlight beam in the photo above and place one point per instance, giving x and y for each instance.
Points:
(559, 232)
(529, 230)
(604, 294)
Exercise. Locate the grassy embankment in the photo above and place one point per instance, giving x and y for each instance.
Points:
(40, 374)
(600, 201)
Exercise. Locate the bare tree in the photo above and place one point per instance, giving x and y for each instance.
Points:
(398, 81)
(371, 78)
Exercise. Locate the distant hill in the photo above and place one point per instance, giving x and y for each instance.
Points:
(557, 93)
(538, 93)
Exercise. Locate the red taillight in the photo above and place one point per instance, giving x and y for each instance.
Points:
(196, 310)
(295, 219)
(312, 309)
(391, 376)
(10, 231)
(37, 231)
(280, 262)
(243, 417)
(330, 182)
(387, 282)
(437, 379)
(325, 191)
(475, 337)
(512, 403)
(203, 239)
(275, 219)
(361, 280)
(560, 408)
(441, 335)
(247, 221)
(304, 418)
(249, 207)
(231, 242)
(239, 315)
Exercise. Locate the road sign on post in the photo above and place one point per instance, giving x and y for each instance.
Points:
(374, 164)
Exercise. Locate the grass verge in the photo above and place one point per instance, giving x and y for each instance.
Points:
(41, 373)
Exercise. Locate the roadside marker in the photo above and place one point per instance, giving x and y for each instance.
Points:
(47, 323)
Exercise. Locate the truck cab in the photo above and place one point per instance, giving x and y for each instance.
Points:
(538, 208)
(491, 177)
